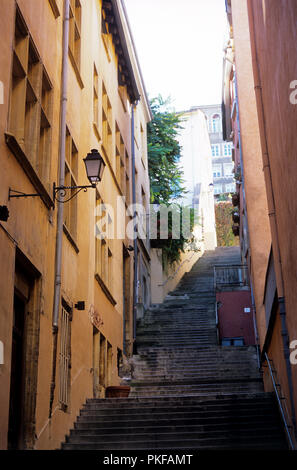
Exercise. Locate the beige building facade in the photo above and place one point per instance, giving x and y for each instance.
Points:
(67, 317)
(258, 89)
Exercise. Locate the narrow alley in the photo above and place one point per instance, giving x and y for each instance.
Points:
(186, 390)
(148, 244)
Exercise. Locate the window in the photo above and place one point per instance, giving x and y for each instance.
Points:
(218, 189)
(65, 356)
(74, 32)
(215, 150)
(103, 246)
(228, 169)
(118, 153)
(104, 35)
(230, 188)
(95, 97)
(120, 161)
(216, 123)
(100, 236)
(54, 8)
(217, 171)
(102, 361)
(109, 268)
(143, 146)
(127, 175)
(228, 149)
(233, 341)
(71, 173)
(31, 102)
(106, 124)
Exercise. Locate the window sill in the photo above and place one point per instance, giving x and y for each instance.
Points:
(105, 289)
(76, 69)
(105, 43)
(70, 238)
(25, 163)
(96, 130)
(55, 8)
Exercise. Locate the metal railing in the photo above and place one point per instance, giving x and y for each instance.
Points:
(289, 428)
(230, 275)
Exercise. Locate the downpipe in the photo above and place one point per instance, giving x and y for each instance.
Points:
(135, 246)
(59, 234)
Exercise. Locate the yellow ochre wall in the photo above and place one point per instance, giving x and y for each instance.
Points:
(31, 227)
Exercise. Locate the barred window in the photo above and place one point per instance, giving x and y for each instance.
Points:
(65, 356)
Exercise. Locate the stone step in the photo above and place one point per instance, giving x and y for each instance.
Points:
(265, 399)
(257, 441)
(235, 432)
(200, 409)
(165, 426)
(142, 389)
(187, 392)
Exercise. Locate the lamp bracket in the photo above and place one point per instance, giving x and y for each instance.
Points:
(60, 192)
(14, 193)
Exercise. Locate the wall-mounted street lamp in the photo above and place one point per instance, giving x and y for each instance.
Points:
(94, 164)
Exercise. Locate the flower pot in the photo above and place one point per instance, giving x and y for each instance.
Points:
(235, 230)
(119, 391)
(235, 217)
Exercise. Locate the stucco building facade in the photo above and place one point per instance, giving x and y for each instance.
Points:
(71, 83)
(221, 152)
(257, 97)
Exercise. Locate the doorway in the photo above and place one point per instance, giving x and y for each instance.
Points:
(16, 403)
(24, 354)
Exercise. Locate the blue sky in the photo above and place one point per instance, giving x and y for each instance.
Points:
(179, 46)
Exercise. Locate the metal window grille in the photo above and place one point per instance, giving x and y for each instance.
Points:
(65, 356)
(233, 275)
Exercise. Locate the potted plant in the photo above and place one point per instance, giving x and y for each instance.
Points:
(235, 199)
(117, 391)
(235, 230)
(235, 217)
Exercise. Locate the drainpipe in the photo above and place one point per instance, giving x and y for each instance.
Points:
(255, 328)
(271, 207)
(135, 279)
(59, 234)
(241, 159)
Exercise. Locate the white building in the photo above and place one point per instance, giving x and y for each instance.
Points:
(221, 152)
(196, 162)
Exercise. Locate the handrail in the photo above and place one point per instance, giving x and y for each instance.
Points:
(187, 260)
(292, 446)
(217, 323)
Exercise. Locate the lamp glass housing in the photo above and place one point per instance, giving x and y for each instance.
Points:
(94, 166)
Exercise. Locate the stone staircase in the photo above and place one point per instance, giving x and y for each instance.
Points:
(186, 390)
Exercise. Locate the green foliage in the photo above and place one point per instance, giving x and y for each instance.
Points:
(225, 236)
(166, 176)
(164, 153)
(172, 247)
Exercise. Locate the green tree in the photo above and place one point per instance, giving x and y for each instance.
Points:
(166, 176)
